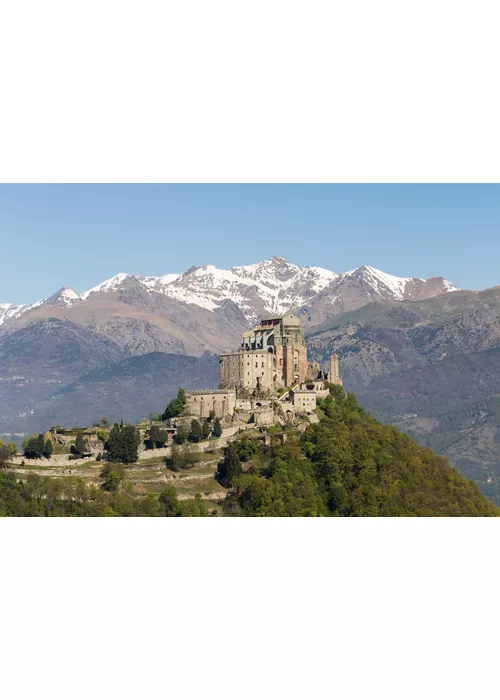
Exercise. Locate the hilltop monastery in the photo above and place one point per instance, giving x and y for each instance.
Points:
(269, 366)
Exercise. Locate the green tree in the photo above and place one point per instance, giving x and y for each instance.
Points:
(33, 447)
(176, 406)
(205, 430)
(130, 444)
(79, 447)
(195, 431)
(169, 503)
(40, 443)
(112, 476)
(157, 437)
(12, 447)
(193, 508)
(230, 467)
(122, 444)
(217, 430)
(4, 456)
(182, 434)
(183, 457)
(48, 450)
(104, 422)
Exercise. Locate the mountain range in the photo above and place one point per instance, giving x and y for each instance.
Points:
(418, 352)
(246, 293)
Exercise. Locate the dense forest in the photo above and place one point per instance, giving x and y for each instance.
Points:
(347, 464)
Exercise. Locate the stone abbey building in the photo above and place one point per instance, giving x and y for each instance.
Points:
(272, 355)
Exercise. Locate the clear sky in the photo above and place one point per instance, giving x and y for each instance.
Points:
(79, 235)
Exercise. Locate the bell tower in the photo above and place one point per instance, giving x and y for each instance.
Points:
(333, 374)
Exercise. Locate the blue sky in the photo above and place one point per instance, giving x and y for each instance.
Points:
(79, 235)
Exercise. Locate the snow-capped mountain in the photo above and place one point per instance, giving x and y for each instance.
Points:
(273, 286)
(365, 285)
(63, 297)
(270, 287)
(8, 311)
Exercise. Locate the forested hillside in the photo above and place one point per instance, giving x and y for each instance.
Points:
(347, 464)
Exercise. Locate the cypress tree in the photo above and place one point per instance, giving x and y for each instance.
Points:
(230, 467)
(217, 428)
(79, 444)
(195, 432)
(112, 444)
(40, 444)
(205, 430)
(181, 434)
(48, 449)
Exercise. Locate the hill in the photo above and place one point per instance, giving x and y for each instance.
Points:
(349, 464)
(346, 464)
(41, 357)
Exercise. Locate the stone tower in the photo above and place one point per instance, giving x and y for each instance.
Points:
(272, 354)
(333, 374)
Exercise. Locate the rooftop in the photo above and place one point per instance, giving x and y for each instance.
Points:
(199, 392)
(288, 319)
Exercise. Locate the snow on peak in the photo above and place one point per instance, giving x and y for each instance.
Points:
(156, 284)
(63, 296)
(377, 279)
(273, 286)
(108, 285)
(8, 311)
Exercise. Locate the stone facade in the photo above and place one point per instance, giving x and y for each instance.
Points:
(271, 355)
(248, 369)
(201, 403)
(304, 401)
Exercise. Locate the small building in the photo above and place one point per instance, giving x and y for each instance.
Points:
(304, 401)
(205, 402)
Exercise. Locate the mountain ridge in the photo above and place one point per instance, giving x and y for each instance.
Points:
(267, 287)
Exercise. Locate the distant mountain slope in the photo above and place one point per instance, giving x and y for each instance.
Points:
(44, 355)
(431, 367)
(129, 389)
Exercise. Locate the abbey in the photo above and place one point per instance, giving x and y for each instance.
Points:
(272, 355)
(267, 379)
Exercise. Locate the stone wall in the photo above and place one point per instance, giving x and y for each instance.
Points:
(54, 461)
(63, 461)
(247, 368)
